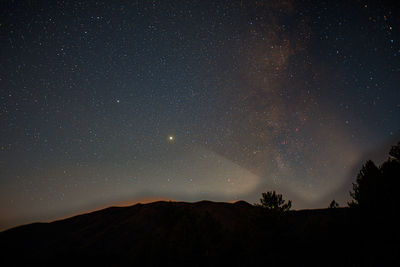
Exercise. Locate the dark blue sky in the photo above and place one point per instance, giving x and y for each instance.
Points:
(258, 95)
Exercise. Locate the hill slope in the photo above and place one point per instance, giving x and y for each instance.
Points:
(194, 234)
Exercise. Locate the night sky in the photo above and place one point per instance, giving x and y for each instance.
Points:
(112, 102)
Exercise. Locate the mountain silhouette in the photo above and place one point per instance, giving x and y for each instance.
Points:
(203, 233)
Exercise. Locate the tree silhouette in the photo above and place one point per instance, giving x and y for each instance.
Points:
(333, 204)
(390, 172)
(395, 151)
(366, 186)
(274, 202)
(377, 187)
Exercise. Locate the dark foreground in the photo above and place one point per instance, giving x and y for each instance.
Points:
(205, 234)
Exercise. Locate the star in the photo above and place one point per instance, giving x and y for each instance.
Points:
(171, 138)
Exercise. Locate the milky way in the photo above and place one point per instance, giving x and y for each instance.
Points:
(113, 102)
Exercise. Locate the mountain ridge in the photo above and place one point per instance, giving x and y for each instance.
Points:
(203, 233)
